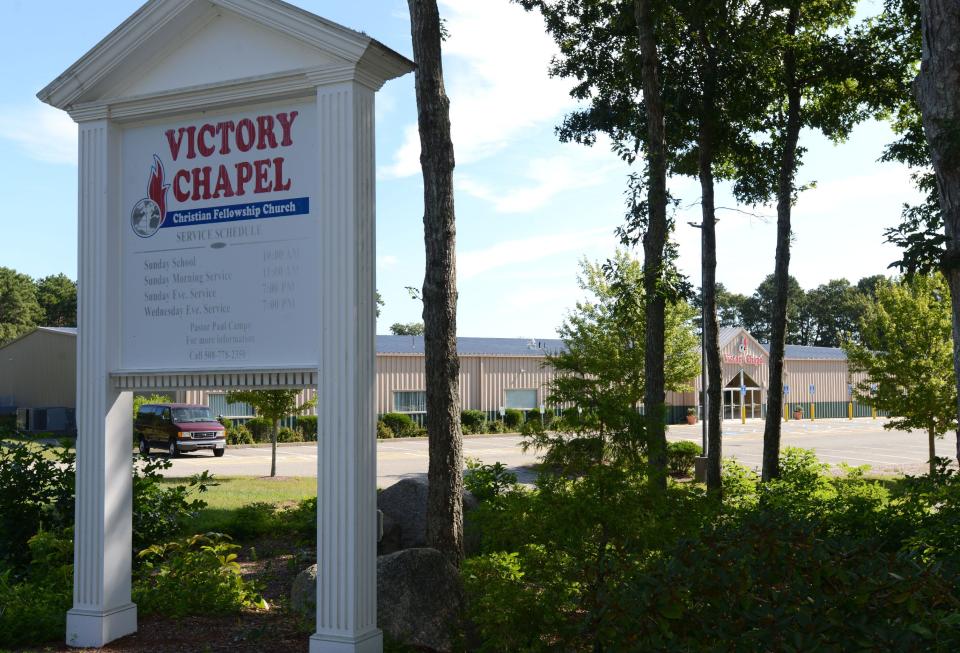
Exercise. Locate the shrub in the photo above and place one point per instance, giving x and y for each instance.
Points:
(36, 487)
(34, 606)
(513, 418)
(401, 424)
(496, 426)
(384, 432)
(680, 457)
(545, 418)
(254, 520)
(196, 575)
(473, 421)
(160, 512)
(287, 434)
(226, 422)
(487, 482)
(261, 428)
(302, 520)
(307, 425)
(239, 435)
(533, 427)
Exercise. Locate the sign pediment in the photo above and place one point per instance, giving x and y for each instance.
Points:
(197, 47)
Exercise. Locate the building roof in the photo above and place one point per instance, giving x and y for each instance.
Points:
(540, 347)
(69, 331)
(804, 352)
(791, 352)
(474, 346)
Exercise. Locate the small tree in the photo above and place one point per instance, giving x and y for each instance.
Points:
(273, 405)
(913, 374)
(602, 369)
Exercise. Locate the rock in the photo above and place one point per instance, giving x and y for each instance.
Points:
(419, 598)
(303, 596)
(404, 506)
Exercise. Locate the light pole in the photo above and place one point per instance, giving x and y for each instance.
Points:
(703, 344)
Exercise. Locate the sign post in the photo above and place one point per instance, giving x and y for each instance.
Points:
(226, 240)
(813, 406)
(786, 403)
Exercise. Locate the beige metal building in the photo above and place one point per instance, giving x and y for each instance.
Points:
(38, 371)
(38, 379)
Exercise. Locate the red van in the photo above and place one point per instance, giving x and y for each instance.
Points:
(178, 428)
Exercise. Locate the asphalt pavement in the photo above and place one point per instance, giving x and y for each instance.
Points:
(857, 442)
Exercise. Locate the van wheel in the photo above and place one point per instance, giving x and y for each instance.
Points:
(173, 450)
(219, 452)
(144, 447)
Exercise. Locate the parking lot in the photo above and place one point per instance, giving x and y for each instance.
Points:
(857, 442)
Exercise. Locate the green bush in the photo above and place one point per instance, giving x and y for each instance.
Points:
(160, 512)
(496, 426)
(401, 424)
(196, 575)
(545, 418)
(307, 425)
(473, 421)
(225, 422)
(287, 434)
(513, 419)
(487, 482)
(36, 487)
(261, 428)
(239, 435)
(681, 457)
(533, 427)
(302, 520)
(384, 432)
(254, 520)
(807, 562)
(33, 606)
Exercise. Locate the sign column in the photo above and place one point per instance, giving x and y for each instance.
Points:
(102, 609)
(346, 441)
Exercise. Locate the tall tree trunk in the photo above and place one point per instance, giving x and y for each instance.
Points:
(932, 449)
(273, 447)
(711, 331)
(781, 272)
(445, 471)
(937, 88)
(654, 242)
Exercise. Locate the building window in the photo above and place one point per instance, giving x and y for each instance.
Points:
(219, 406)
(525, 399)
(410, 401)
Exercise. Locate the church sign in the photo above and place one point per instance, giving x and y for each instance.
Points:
(226, 227)
(217, 254)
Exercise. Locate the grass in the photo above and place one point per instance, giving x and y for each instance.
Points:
(234, 492)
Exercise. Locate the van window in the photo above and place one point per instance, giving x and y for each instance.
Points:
(193, 414)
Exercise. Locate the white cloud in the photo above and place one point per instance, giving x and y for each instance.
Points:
(526, 250)
(579, 167)
(386, 261)
(500, 89)
(42, 132)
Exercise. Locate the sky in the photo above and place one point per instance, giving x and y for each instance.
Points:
(528, 207)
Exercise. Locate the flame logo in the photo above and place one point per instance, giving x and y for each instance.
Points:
(743, 345)
(156, 189)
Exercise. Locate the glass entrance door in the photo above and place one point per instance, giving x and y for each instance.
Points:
(751, 401)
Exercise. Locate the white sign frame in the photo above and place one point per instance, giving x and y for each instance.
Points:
(170, 60)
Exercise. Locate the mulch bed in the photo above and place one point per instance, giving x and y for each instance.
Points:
(274, 565)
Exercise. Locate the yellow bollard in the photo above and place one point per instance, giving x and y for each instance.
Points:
(850, 410)
(743, 414)
(786, 412)
(873, 411)
(813, 411)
